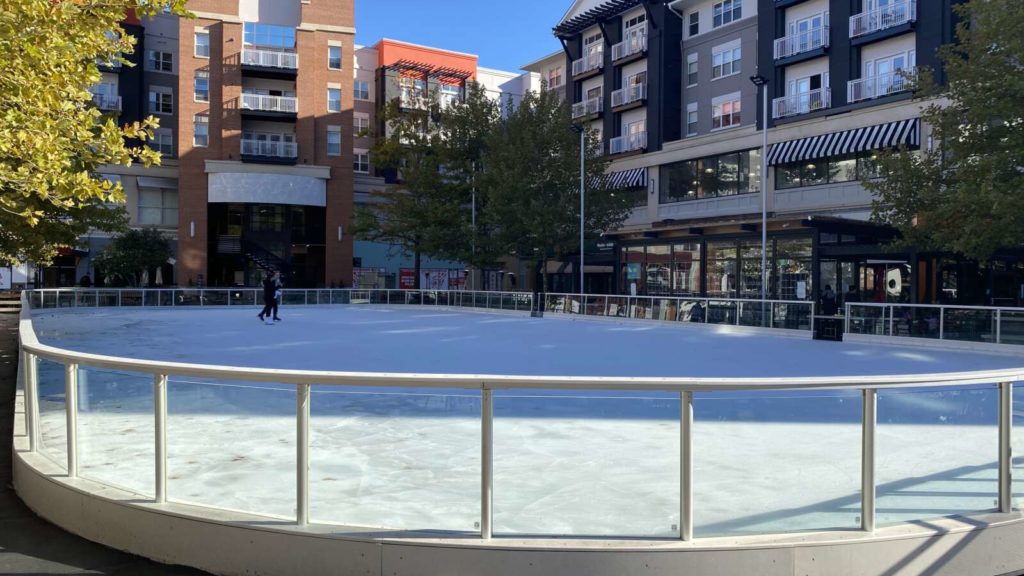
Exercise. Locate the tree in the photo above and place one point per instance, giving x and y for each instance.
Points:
(966, 195)
(532, 183)
(52, 140)
(134, 253)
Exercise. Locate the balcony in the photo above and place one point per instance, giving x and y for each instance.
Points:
(588, 108)
(635, 142)
(269, 63)
(414, 99)
(879, 86)
(808, 42)
(589, 65)
(630, 96)
(262, 105)
(107, 102)
(632, 47)
(802, 103)
(274, 152)
(885, 18)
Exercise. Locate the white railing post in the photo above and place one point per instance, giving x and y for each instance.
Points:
(160, 440)
(686, 466)
(71, 409)
(486, 461)
(942, 322)
(892, 313)
(867, 464)
(119, 292)
(302, 456)
(1005, 447)
(32, 401)
(999, 326)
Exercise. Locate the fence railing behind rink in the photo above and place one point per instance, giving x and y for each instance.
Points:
(981, 324)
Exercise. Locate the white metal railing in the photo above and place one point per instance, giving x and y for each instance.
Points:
(970, 324)
(592, 61)
(801, 103)
(882, 18)
(587, 107)
(268, 148)
(270, 58)
(634, 43)
(31, 351)
(629, 94)
(267, 103)
(802, 42)
(628, 143)
(106, 101)
(878, 86)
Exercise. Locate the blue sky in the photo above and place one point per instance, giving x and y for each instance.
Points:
(505, 35)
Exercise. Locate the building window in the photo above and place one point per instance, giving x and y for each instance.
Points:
(161, 100)
(635, 21)
(694, 23)
(162, 141)
(159, 61)
(711, 177)
(725, 112)
(691, 69)
(158, 207)
(450, 94)
(726, 12)
(691, 119)
(361, 90)
(255, 34)
(201, 131)
(334, 140)
(334, 57)
(555, 79)
(334, 99)
(360, 126)
(817, 171)
(202, 86)
(725, 62)
(361, 162)
(202, 49)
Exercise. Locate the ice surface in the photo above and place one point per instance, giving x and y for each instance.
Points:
(580, 463)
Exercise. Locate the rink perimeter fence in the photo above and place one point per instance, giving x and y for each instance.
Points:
(980, 324)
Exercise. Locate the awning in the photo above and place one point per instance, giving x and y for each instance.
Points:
(152, 182)
(634, 178)
(903, 132)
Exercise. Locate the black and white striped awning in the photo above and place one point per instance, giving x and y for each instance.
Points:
(905, 132)
(635, 178)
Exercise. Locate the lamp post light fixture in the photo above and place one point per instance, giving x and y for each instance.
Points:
(762, 83)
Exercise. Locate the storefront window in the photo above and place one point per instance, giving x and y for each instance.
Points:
(846, 168)
(658, 277)
(750, 256)
(686, 269)
(632, 263)
(725, 175)
(792, 271)
(721, 272)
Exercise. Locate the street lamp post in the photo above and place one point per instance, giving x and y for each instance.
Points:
(583, 138)
(762, 83)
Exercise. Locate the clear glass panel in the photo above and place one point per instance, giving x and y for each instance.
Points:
(791, 316)
(642, 308)
(618, 305)
(779, 461)
(969, 325)
(108, 297)
(916, 322)
(754, 313)
(187, 298)
(936, 452)
(53, 425)
(402, 458)
(1017, 445)
(341, 296)
(721, 312)
(85, 298)
(586, 463)
(116, 428)
(293, 297)
(1011, 327)
(243, 298)
(868, 320)
(65, 299)
(596, 305)
(215, 297)
(131, 297)
(232, 445)
(692, 311)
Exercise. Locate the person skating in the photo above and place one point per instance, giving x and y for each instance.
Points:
(271, 288)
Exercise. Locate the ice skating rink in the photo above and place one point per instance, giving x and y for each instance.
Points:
(566, 463)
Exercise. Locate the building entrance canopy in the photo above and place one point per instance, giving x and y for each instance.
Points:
(892, 134)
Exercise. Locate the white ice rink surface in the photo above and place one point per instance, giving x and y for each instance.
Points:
(577, 463)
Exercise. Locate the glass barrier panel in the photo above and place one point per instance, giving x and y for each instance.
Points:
(664, 309)
(215, 297)
(1011, 327)
(554, 303)
(293, 298)
(83, 298)
(1017, 445)
(868, 320)
(65, 299)
(395, 458)
(692, 311)
(596, 305)
(641, 308)
(131, 297)
(721, 312)
(116, 429)
(53, 424)
(340, 297)
(969, 325)
(244, 298)
(936, 452)
(232, 445)
(618, 306)
(586, 463)
(915, 322)
(108, 297)
(754, 313)
(188, 297)
(776, 461)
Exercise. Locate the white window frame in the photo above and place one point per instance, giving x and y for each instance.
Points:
(871, 66)
(334, 148)
(168, 210)
(638, 21)
(726, 60)
(593, 43)
(692, 108)
(360, 94)
(361, 161)
(157, 59)
(726, 12)
(360, 123)
(164, 96)
(693, 59)
(200, 120)
(331, 59)
(163, 138)
(734, 103)
(556, 72)
(693, 19)
(196, 45)
(331, 101)
(200, 75)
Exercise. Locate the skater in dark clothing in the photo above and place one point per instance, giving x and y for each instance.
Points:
(271, 291)
(829, 307)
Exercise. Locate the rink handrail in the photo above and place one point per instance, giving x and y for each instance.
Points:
(32, 345)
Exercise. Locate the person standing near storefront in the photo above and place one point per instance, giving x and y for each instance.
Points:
(828, 302)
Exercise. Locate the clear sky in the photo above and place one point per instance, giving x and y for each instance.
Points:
(505, 35)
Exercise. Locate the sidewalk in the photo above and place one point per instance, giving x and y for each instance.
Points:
(28, 544)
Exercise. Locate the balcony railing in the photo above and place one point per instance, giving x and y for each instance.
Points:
(878, 86)
(591, 61)
(106, 101)
(803, 42)
(882, 18)
(634, 43)
(265, 103)
(270, 149)
(628, 143)
(587, 107)
(629, 94)
(270, 58)
(801, 103)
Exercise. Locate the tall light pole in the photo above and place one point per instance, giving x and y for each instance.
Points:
(473, 240)
(762, 83)
(583, 149)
